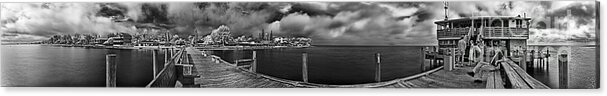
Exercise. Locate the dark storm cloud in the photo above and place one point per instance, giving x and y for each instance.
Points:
(310, 9)
(35, 20)
(242, 18)
(363, 23)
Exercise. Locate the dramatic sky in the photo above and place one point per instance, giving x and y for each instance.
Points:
(351, 23)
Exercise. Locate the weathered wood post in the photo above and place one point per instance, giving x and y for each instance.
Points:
(179, 58)
(532, 60)
(523, 61)
(548, 60)
(110, 76)
(166, 54)
(378, 67)
(154, 63)
(563, 71)
(254, 64)
(185, 59)
(423, 58)
(304, 67)
(172, 53)
(432, 60)
(448, 61)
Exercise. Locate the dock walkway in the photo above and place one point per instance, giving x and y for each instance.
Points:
(220, 74)
(217, 75)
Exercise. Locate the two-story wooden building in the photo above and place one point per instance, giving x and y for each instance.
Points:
(509, 31)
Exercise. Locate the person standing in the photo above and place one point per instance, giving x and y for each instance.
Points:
(461, 49)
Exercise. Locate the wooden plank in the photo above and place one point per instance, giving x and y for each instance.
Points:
(222, 75)
(490, 80)
(244, 60)
(515, 80)
(532, 82)
(499, 82)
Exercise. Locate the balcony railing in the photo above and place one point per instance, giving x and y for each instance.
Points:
(488, 32)
(453, 32)
(505, 32)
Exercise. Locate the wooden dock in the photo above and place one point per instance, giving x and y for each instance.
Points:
(216, 73)
(208, 71)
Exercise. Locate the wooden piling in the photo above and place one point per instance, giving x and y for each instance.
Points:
(110, 76)
(548, 60)
(154, 63)
(254, 64)
(304, 67)
(172, 51)
(176, 61)
(166, 54)
(378, 67)
(532, 59)
(524, 60)
(185, 59)
(423, 58)
(563, 72)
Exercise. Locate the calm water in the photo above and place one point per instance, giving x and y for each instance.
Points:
(581, 68)
(334, 64)
(46, 66)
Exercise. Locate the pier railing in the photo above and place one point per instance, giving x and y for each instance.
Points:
(167, 77)
(488, 32)
(518, 78)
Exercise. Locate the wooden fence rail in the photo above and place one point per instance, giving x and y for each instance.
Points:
(515, 78)
(167, 77)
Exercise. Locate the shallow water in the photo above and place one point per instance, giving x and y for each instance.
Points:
(581, 69)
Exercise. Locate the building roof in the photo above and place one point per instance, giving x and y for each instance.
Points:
(482, 17)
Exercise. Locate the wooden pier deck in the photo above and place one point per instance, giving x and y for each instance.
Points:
(220, 74)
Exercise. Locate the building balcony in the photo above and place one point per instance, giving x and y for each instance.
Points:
(487, 32)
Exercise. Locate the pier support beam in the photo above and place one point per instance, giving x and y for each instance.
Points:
(563, 71)
(532, 60)
(166, 54)
(547, 60)
(254, 64)
(110, 76)
(304, 68)
(185, 57)
(423, 58)
(378, 67)
(154, 63)
(523, 61)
